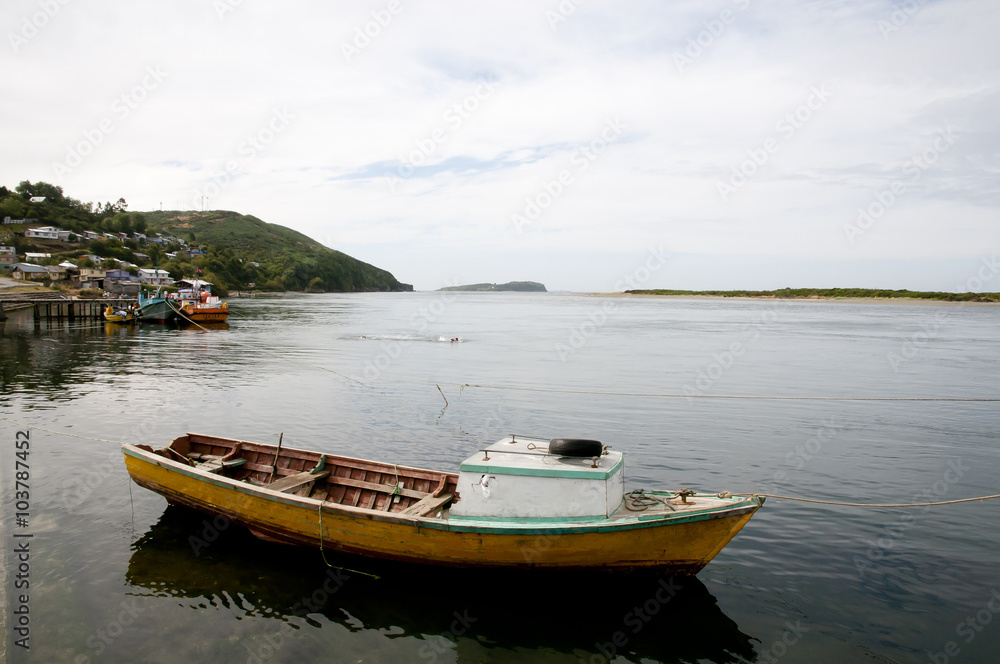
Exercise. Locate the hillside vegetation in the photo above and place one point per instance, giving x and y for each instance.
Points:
(287, 259)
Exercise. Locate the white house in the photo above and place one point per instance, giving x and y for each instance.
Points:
(7, 250)
(33, 256)
(154, 277)
(90, 235)
(43, 233)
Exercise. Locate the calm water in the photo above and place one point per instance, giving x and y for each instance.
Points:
(117, 577)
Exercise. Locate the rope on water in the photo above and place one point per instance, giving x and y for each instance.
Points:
(834, 502)
(61, 433)
(664, 395)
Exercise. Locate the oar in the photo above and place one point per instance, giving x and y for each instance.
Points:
(274, 466)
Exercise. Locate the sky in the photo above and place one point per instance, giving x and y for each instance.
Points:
(588, 145)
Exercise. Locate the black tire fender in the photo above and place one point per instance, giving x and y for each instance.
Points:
(576, 447)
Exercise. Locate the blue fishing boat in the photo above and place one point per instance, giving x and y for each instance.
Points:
(155, 308)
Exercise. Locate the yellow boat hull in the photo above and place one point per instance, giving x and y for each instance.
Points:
(680, 544)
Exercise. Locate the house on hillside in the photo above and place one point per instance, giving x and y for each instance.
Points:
(91, 235)
(120, 275)
(43, 233)
(153, 277)
(34, 257)
(121, 282)
(29, 272)
(91, 277)
(8, 258)
(37, 199)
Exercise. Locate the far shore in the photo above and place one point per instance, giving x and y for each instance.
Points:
(811, 298)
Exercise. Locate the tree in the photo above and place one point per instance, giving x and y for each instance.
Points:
(123, 223)
(13, 207)
(139, 222)
(52, 193)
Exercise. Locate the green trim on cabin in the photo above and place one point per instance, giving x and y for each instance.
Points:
(585, 473)
(527, 519)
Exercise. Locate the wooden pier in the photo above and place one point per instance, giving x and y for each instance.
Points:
(60, 308)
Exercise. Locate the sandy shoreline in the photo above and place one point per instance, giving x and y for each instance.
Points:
(812, 298)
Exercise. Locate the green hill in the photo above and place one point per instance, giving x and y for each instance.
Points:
(522, 286)
(287, 259)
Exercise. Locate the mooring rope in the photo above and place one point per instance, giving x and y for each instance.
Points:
(661, 395)
(177, 310)
(319, 508)
(61, 433)
(834, 502)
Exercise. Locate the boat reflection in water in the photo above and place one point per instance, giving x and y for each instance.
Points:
(456, 611)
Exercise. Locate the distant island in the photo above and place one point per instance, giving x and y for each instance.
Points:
(829, 294)
(521, 286)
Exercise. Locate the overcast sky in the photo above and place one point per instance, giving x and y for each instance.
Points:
(708, 144)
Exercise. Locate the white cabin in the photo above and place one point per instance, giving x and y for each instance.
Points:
(517, 478)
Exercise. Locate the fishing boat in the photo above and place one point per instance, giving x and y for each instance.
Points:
(112, 315)
(198, 305)
(522, 502)
(155, 308)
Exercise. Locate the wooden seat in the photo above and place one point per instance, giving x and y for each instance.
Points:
(290, 483)
(428, 505)
(214, 463)
(218, 464)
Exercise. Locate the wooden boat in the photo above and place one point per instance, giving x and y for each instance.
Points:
(519, 503)
(113, 315)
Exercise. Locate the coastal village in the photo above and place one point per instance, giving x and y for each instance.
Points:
(89, 271)
(62, 279)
